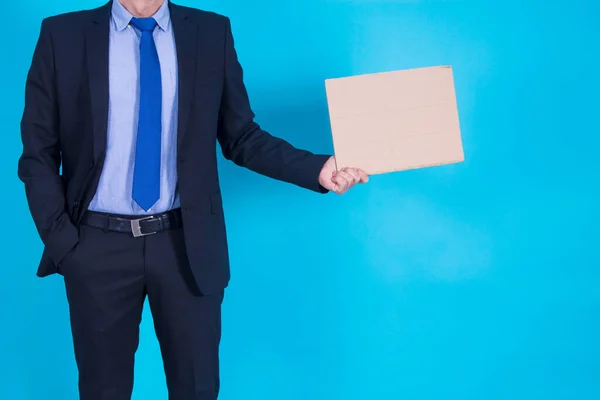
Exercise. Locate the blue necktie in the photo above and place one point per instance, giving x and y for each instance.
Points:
(146, 175)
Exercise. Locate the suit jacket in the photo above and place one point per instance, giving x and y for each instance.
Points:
(65, 119)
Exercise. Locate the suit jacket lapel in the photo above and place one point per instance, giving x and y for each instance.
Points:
(96, 47)
(186, 33)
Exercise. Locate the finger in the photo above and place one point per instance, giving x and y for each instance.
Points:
(347, 176)
(364, 178)
(335, 185)
(352, 172)
(341, 184)
(360, 175)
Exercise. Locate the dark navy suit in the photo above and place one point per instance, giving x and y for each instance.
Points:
(108, 275)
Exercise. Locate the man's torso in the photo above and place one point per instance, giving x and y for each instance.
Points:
(82, 78)
(114, 192)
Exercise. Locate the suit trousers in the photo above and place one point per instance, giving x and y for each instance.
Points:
(107, 277)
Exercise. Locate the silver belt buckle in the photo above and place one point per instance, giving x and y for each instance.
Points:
(137, 229)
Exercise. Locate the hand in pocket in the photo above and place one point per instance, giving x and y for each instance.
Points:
(67, 258)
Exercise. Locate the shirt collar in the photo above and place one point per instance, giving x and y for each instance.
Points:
(122, 17)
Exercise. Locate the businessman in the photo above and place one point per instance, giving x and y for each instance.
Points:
(130, 100)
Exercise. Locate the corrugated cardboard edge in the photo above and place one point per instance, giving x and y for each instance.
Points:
(449, 162)
(387, 72)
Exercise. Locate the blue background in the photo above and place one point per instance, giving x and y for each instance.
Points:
(473, 281)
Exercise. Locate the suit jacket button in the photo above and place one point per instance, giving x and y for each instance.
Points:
(91, 166)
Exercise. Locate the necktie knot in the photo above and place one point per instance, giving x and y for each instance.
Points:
(144, 24)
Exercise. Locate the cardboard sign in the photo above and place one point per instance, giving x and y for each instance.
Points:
(395, 121)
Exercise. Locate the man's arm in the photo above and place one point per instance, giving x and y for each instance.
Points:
(243, 142)
(40, 161)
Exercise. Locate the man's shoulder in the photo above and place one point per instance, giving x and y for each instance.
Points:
(199, 15)
(73, 18)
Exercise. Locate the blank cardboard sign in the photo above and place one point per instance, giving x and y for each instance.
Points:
(395, 121)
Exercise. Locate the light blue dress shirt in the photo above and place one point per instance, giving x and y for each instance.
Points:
(114, 194)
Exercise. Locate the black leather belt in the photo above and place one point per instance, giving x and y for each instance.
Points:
(134, 225)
